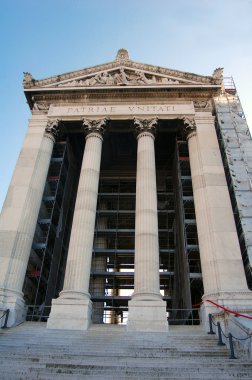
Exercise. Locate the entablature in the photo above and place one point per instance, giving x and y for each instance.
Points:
(41, 100)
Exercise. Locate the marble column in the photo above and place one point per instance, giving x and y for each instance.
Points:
(147, 310)
(222, 267)
(73, 309)
(20, 212)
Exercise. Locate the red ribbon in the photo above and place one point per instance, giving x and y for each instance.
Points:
(230, 311)
(197, 304)
(224, 308)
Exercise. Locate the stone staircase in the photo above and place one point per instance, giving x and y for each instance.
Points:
(30, 351)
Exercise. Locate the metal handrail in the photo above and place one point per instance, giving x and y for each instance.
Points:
(229, 337)
(36, 312)
(189, 317)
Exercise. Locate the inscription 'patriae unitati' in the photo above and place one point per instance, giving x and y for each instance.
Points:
(131, 109)
(112, 109)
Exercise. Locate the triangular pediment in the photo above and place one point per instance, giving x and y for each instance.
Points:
(121, 72)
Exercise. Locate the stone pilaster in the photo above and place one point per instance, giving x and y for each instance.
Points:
(20, 213)
(73, 309)
(147, 310)
(222, 268)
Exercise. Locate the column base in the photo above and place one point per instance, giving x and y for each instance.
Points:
(148, 316)
(12, 300)
(238, 301)
(70, 314)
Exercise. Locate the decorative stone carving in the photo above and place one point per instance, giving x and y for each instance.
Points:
(122, 55)
(123, 59)
(202, 104)
(218, 75)
(121, 77)
(40, 107)
(28, 79)
(189, 127)
(52, 129)
(145, 125)
(94, 126)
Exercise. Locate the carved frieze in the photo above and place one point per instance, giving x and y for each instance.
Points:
(64, 98)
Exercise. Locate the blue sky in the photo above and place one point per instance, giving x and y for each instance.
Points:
(55, 36)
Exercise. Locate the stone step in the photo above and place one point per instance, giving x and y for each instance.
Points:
(136, 371)
(141, 352)
(131, 361)
(31, 351)
(211, 362)
(143, 371)
(62, 376)
(42, 349)
(122, 344)
(116, 340)
(66, 345)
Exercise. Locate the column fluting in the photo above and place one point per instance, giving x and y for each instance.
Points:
(146, 278)
(77, 276)
(147, 310)
(217, 234)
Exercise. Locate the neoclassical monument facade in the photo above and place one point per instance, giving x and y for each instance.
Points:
(121, 208)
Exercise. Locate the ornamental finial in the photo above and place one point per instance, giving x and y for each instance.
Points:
(28, 79)
(218, 75)
(122, 55)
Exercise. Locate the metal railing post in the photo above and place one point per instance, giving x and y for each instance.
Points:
(231, 346)
(6, 318)
(210, 319)
(220, 342)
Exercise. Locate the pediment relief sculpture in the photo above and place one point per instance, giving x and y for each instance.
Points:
(123, 72)
(120, 77)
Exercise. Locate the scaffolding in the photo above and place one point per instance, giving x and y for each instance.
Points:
(112, 269)
(188, 286)
(46, 266)
(112, 275)
(236, 149)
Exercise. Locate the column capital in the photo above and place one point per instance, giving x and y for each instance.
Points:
(94, 127)
(52, 129)
(145, 126)
(189, 127)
